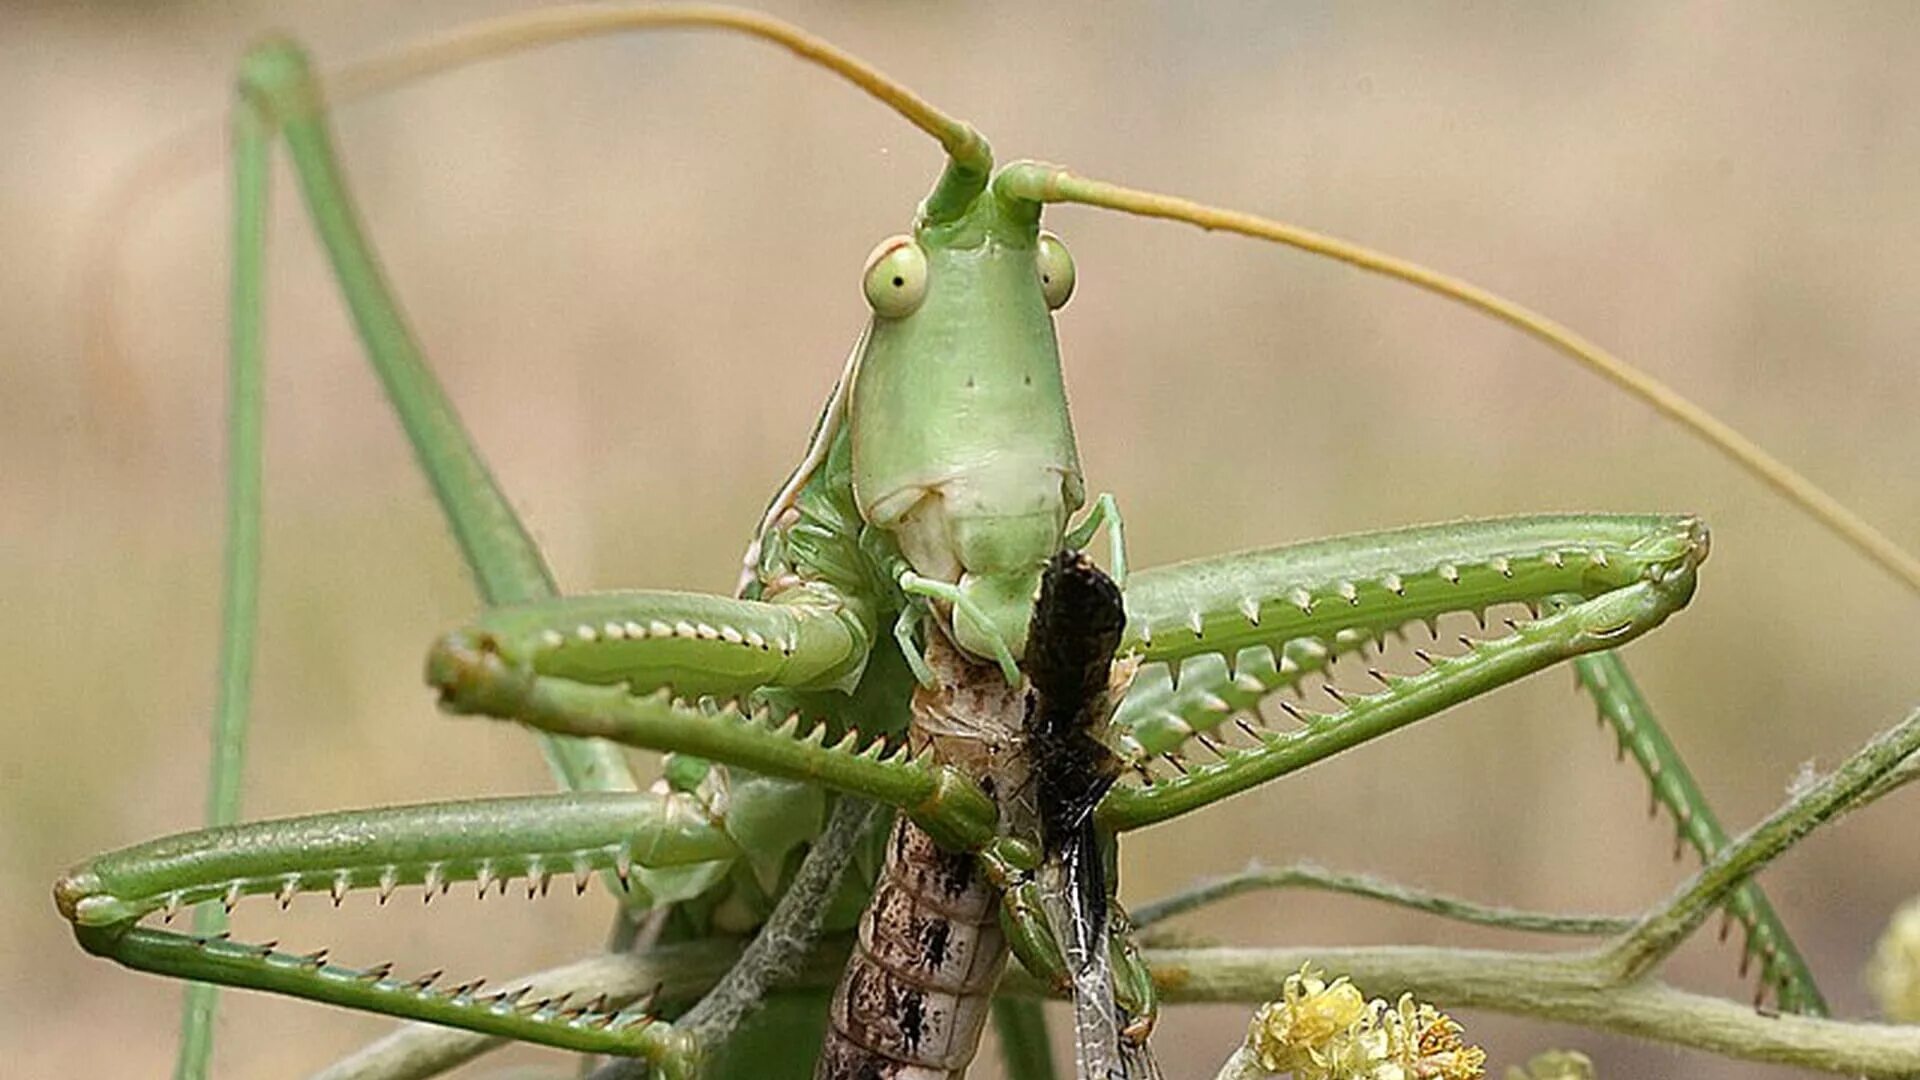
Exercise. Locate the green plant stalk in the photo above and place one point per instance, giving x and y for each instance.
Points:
(506, 565)
(239, 615)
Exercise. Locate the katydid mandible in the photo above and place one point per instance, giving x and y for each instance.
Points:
(942, 475)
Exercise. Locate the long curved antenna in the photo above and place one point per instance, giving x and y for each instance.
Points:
(969, 160)
(201, 148)
(1040, 183)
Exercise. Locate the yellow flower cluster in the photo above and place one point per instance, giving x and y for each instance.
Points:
(1895, 971)
(1328, 1031)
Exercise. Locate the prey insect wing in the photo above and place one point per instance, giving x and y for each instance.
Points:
(1077, 623)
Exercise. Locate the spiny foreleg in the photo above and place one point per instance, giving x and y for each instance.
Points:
(1632, 571)
(1221, 634)
(642, 841)
(761, 738)
(690, 643)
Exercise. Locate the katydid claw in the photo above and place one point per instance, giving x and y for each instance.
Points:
(973, 627)
(469, 674)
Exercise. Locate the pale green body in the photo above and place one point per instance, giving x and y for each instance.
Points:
(943, 473)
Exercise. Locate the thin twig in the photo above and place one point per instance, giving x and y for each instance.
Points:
(680, 972)
(781, 947)
(1847, 787)
(779, 951)
(1310, 876)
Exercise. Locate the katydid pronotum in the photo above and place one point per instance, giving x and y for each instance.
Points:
(1260, 613)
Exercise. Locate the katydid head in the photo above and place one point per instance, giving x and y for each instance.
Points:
(962, 448)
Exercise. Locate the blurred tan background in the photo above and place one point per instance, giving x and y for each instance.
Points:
(636, 262)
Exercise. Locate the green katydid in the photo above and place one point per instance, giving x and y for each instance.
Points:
(831, 599)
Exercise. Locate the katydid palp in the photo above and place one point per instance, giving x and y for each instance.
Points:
(1394, 565)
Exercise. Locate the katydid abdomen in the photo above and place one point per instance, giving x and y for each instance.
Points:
(915, 994)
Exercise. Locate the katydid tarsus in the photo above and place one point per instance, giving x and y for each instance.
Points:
(921, 490)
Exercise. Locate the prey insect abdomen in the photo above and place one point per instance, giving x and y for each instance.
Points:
(915, 995)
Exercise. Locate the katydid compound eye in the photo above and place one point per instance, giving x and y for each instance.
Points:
(1056, 270)
(896, 277)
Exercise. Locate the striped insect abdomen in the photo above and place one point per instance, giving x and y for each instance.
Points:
(915, 994)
